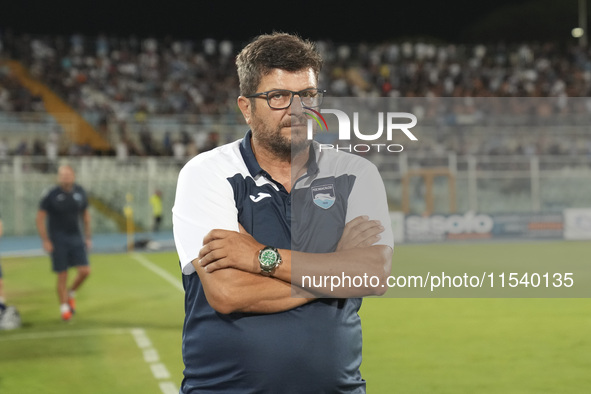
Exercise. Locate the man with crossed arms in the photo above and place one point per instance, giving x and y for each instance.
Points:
(246, 227)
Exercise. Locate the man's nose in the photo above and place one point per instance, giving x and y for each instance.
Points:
(296, 106)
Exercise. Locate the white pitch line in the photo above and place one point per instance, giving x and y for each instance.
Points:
(173, 280)
(24, 253)
(63, 334)
(152, 358)
(141, 338)
(168, 388)
(159, 371)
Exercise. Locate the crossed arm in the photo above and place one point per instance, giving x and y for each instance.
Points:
(229, 270)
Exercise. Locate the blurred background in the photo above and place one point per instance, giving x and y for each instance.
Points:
(128, 94)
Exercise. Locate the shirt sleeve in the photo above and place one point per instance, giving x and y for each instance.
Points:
(204, 201)
(368, 197)
(84, 205)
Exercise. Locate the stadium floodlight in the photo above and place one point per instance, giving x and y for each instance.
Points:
(577, 32)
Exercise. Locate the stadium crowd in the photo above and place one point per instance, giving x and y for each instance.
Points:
(115, 82)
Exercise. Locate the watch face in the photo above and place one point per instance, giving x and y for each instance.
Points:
(268, 258)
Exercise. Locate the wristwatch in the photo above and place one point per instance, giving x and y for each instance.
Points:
(269, 259)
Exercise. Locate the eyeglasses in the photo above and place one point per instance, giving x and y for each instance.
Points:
(282, 98)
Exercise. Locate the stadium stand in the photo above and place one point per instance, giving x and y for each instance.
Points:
(127, 88)
(134, 99)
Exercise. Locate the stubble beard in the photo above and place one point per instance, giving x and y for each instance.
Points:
(282, 147)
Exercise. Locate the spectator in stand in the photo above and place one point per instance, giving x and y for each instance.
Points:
(179, 151)
(112, 79)
(213, 141)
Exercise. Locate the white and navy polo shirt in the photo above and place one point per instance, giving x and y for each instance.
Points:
(314, 348)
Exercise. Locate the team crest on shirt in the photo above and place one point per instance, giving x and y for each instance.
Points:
(323, 195)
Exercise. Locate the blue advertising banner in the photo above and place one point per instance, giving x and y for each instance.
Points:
(479, 226)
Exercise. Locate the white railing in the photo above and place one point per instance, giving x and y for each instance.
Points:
(490, 184)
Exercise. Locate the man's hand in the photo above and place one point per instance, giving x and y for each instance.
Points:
(47, 246)
(230, 249)
(360, 232)
(240, 288)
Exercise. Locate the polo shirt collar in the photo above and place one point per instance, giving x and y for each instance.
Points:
(248, 155)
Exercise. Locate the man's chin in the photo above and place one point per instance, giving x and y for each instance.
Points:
(299, 145)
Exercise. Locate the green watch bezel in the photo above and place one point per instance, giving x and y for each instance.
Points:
(269, 259)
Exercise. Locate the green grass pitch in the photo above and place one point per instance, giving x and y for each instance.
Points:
(126, 336)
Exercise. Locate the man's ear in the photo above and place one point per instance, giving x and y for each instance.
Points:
(246, 107)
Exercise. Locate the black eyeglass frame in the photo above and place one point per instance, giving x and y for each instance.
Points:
(293, 93)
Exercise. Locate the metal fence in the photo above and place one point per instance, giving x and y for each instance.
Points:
(107, 181)
(484, 184)
(490, 184)
(472, 155)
